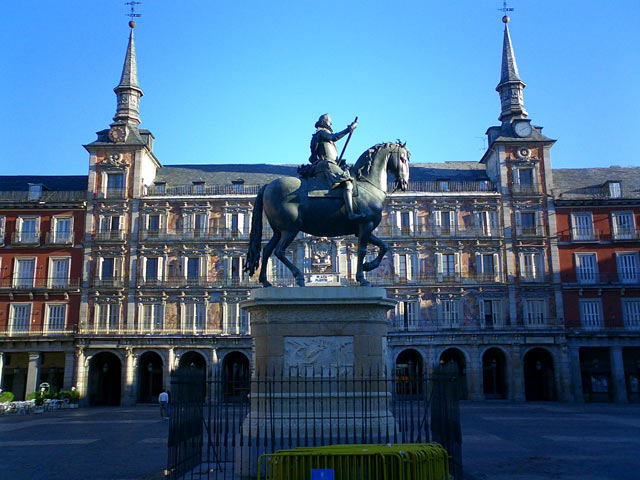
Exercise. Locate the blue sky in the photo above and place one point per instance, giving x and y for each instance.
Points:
(229, 82)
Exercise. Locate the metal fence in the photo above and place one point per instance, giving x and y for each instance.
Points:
(221, 426)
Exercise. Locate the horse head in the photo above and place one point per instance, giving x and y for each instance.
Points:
(398, 165)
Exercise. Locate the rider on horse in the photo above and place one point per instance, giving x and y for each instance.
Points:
(324, 156)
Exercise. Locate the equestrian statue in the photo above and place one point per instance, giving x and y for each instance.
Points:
(328, 200)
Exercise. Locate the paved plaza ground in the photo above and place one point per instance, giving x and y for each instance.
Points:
(501, 441)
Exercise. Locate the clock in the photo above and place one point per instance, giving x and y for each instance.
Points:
(522, 129)
(117, 134)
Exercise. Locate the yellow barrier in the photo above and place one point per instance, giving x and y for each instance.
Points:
(416, 461)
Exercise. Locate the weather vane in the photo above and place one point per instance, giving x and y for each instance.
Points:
(132, 14)
(505, 10)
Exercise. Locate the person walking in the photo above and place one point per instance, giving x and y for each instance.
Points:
(163, 399)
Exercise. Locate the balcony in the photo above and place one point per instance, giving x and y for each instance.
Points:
(590, 279)
(118, 331)
(110, 236)
(59, 238)
(431, 279)
(2, 235)
(625, 234)
(113, 193)
(12, 332)
(526, 189)
(109, 283)
(162, 236)
(530, 231)
(434, 231)
(25, 238)
(199, 282)
(202, 190)
(26, 284)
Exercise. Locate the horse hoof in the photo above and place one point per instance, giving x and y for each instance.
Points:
(266, 284)
(365, 283)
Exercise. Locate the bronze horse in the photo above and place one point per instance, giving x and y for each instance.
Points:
(289, 210)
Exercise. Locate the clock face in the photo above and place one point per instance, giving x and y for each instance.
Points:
(117, 134)
(522, 129)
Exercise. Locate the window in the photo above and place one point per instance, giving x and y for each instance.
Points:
(450, 313)
(614, 190)
(525, 177)
(152, 317)
(161, 188)
(193, 269)
(586, 268)
(531, 267)
(108, 316)
(3, 221)
(62, 230)
(35, 191)
(591, 314)
(115, 184)
(110, 271)
(528, 223)
(447, 265)
(153, 223)
(406, 315)
(280, 274)
(236, 320)
(491, 313)
(201, 223)
(56, 315)
(623, 225)
(628, 267)
(59, 272)
(20, 317)
(237, 264)
(24, 272)
(235, 223)
(445, 222)
(487, 223)
(198, 188)
(194, 317)
(534, 312)
(403, 268)
(28, 230)
(405, 222)
(151, 271)
(631, 313)
(443, 185)
(487, 267)
(582, 226)
(110, 227)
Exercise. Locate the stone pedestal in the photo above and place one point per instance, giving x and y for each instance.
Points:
(319, 350)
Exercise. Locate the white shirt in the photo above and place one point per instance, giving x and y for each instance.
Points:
(163, 397)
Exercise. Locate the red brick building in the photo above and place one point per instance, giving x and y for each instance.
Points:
(598, 213)
(41, 257)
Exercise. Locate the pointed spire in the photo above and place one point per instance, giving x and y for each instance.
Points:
(510, 87)
(128, 92)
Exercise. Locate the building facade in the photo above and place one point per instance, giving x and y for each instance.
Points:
(41, 229)
(478, 265)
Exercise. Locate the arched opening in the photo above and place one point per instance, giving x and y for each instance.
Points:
(195, 362)
(52, 370)
(14, 374)
(105, 376)
(539, 378)
(409, 373)
(455, 356)
(631, 357)
(493, 374)
(149, 377)
(236, 377)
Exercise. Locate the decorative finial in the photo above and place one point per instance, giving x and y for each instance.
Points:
(132, 14)
(505, 9)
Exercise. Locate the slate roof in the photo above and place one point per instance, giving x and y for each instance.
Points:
(258, 174)
(509, 70)
(589, 183)
(20, 183)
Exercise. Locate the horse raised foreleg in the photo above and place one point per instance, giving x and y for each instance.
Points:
(280, 252)
(382, 250)
(363, 240)
(266, 253)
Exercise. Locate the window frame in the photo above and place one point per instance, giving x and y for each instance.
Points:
(47, 322)
(12, 318)
(591, 323)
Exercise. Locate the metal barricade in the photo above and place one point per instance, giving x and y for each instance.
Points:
(417, 461)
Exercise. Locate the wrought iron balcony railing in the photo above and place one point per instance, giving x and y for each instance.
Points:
(526, 189)
(24, 332)
(110, 236)
(167, 235)
(621, 234)
(59, 238)
(25, 238)
(435, 231)
(586, 279)
(40, 283)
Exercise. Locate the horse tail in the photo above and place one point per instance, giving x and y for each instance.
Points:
(255, 236)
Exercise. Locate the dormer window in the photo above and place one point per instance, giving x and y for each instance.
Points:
(198, 188)
(614, 190)
(238, 185)
(35, 191)
(160, 188)
(443, 185)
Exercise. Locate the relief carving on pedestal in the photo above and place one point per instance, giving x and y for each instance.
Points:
(319, 355)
